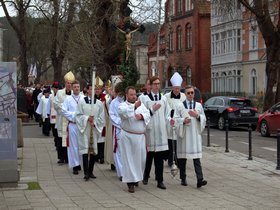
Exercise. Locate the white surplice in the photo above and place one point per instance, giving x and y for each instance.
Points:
(189, 144)
(84, 110)
(156, 133)
(173, 102)
(53, 111)
(61, 122)
(133, 143)
(116, 121)
(69, 108)
(43, 108)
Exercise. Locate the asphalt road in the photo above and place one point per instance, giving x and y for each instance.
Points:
(262, 147)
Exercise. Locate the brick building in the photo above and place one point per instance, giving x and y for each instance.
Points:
(184, 44)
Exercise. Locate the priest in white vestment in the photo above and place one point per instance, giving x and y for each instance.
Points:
(174, 97)
(134, 118)
(189, 143)
(116, 122)
(69, 108)
(61, 122)
(156, 131)
(55, 88)
(43, 109)
(90, 120)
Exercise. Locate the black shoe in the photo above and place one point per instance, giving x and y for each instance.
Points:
(183, 182)
(60, 161)
(136, 184)
(201, 183)
(101, 161)
(86, 177)
(145, 181)
(92, 176)
(75, 172)
(79, 168)
(131, 189)
(113, 168)
(161, 186)
(120, 178)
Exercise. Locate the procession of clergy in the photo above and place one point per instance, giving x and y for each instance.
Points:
(125, 131)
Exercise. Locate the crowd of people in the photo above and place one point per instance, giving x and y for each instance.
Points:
(125, 131)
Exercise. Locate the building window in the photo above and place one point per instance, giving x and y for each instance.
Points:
(188, 36)
(223, 42)
(230, 41)
(254, 81)
(253, 37)
(217, 44)
(238, 81)
(179, 6)
(170, 39)
(230, 82)
(217, 87)
(238, 40)
(171, 7)
(224, 82)
(179, 38)
(189, 5)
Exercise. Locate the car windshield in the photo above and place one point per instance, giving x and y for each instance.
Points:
(240, 103)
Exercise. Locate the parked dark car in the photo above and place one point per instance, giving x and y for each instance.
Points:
(269, 121)
(238, 111)
(197, 94)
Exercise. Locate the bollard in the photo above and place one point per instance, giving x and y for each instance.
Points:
(208, 131)
(278, 150)
(226, 136)
(250, 142)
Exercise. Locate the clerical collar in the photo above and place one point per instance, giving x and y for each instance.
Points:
(174, 96)
(153, 94)
(97, 96)
(68, 92)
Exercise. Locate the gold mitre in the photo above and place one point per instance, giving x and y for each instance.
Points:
(69, 77)
(109, 84)
(98, 82)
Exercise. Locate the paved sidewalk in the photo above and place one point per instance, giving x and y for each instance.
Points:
(233, 183)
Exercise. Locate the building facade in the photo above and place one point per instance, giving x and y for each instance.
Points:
(226, 50)
(238, 52)
(184, 44)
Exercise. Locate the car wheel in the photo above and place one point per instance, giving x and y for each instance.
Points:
(221, 123)
(264, 129)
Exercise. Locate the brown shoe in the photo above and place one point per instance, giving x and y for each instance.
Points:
(131, 189)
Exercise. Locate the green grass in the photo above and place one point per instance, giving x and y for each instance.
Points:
(33, 186)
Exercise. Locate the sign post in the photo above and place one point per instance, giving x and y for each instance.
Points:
(8, 125)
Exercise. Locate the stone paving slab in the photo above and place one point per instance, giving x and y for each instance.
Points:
(234, 182)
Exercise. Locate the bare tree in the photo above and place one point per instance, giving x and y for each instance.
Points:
(20, 27)
(93, 41)
(262, 11)
(60, 16)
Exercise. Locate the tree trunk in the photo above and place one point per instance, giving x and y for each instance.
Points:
(59, 46)
(58, 70)
(271, 80)
(23, 63)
